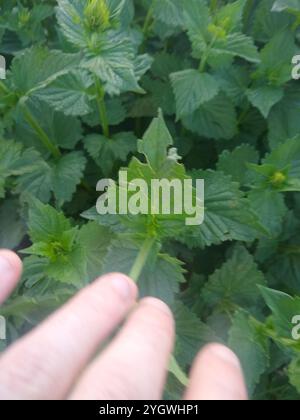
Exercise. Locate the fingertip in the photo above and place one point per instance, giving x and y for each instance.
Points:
(11, 261)
(221, 352)
(10, 272)
(157, 304)
(122, 285)
(217, 375)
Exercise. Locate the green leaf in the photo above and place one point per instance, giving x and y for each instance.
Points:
(294, 368)
(284, 308)
(235, 283)
(61, 176)
(95, 240)
(45, 223)
(273, 69)
(67, 175)
(10, 153)
(37, 67)
(191, 334)
(284, 120)
(192, 89)
(106, 152)
(265, 97)
(235, 162)
(155, 143)
(69, 93)
(160, 278)
(12, 227)
(228, 215)
(270, 207)
(251, 346)
(237, 45)
(170, 12)
(290, 5)
(64, 131)
(215, 119)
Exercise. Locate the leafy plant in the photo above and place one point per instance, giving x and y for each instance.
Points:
(85, 82)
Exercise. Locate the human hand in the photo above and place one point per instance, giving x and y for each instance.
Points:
(54, 360)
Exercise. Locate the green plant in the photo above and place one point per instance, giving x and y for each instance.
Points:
(85, 82)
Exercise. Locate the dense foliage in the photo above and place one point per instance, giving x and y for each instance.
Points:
(85, 81)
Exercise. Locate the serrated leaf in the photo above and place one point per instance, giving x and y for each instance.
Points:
(235, 283)
(228, 215)
(235, 162)
(106, 151)
(265, 97)
(294, 367)
(192, 89)
(64, 131)
(170, 12)
(191, 334)
(10, 153)
(283, 120)
(290, 5)
(161, 279)
(155, 143)
(270, 207)
(251, 346)
(12, 227)
(215, 119)
(38, 66)
(284, 308)
(69, 93)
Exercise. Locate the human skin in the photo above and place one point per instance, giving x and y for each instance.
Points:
(60, 358)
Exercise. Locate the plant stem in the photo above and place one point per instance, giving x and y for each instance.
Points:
(45, 140)
(206, 55)
(214, 4)
(3, 88)
(102, 108)
(177, 371)
(148, 20)
(141, 259)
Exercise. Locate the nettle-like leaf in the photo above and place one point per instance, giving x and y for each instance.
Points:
(192, 89)
(64, 131)
(215, 36)
(214, 119)
(228, 215)
(252, 347)
(10, 153)
(280, 169)
(289, 5)
(37, 67)
(283, 121)
(235, 284)
(235, 163)
(108, 53)
(41, 178)
(106, 152)
(169, 12)
(161, 163)
(69, 255)
(284, 309)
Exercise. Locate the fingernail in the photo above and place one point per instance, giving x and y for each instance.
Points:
(226, 355)
(124, 286)
(158, 304)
